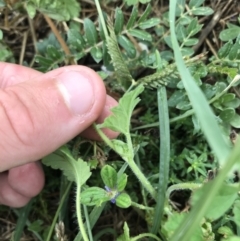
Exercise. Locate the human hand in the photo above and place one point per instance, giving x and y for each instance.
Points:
(39, 113)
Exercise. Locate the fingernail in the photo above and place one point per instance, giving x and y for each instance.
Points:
(77, 90)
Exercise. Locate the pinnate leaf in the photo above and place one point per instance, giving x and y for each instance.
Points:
(75, 170)
(120, 119)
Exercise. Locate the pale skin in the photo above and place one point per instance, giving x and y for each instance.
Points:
(39, 113)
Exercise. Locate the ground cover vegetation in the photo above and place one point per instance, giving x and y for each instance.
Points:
(173, 173)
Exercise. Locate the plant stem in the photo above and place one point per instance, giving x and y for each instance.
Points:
(140, 206)
(144, 181)
(57, 212)
(101, 19)
(146, 184)
(79, 213)
(140, 236)
(88, 222)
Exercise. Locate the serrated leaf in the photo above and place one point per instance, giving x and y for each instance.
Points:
(121, 114)
(119, 64)
(109, 176)
(94, 196)
(60, 10)
(119, 21)
(75, 170)
(133, 17)
(140, 34)
(90, 31)
(123, 200)
(152, 22)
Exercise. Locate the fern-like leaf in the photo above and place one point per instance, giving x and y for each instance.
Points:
(118, 62)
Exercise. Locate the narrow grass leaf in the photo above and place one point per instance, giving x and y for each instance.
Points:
(164, 157)
(199, 103)
(22, 219)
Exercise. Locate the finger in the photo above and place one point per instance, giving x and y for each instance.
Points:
(38, 116)
(91, 133)
(27, 180)
(13, 74)
(8, 196)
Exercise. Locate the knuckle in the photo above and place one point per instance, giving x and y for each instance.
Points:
(16, 118)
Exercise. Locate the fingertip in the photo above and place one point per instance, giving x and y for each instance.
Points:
(28, 180)
(90, 133)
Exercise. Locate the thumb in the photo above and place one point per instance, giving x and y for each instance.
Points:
(39, 115)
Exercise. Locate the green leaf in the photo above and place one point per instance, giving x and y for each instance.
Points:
(122, 182)
(109, 176)
(193, 27)
(140, 34)
(229, 34)
(90, 31)
(121, 114)
(225, 49)
(119, 21)
(126, 235)
(190, 42)
(227, 114)
(75, 170)
(202, 11)
(235, 122)
(131, 2)
(75, 39)
(121, 69)
(121, 148)
(60, 10)
(234, 52)
(96, 53)
(172, 223)
(94, 196)
(195, 3)
(145, 14)
(221, 202)
(132, 18)
(128, 46)
(149, 23)
(31, 9)
(123, 200)
(236, 212)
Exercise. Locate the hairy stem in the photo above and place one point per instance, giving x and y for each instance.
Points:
(79, 213)
(146, 184)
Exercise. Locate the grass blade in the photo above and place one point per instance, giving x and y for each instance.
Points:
(22, 219)
(199, 103)
(164, 157)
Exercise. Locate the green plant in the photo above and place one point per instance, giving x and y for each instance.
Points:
(153, 57)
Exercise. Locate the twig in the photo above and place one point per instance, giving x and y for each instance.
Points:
(59, 37)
